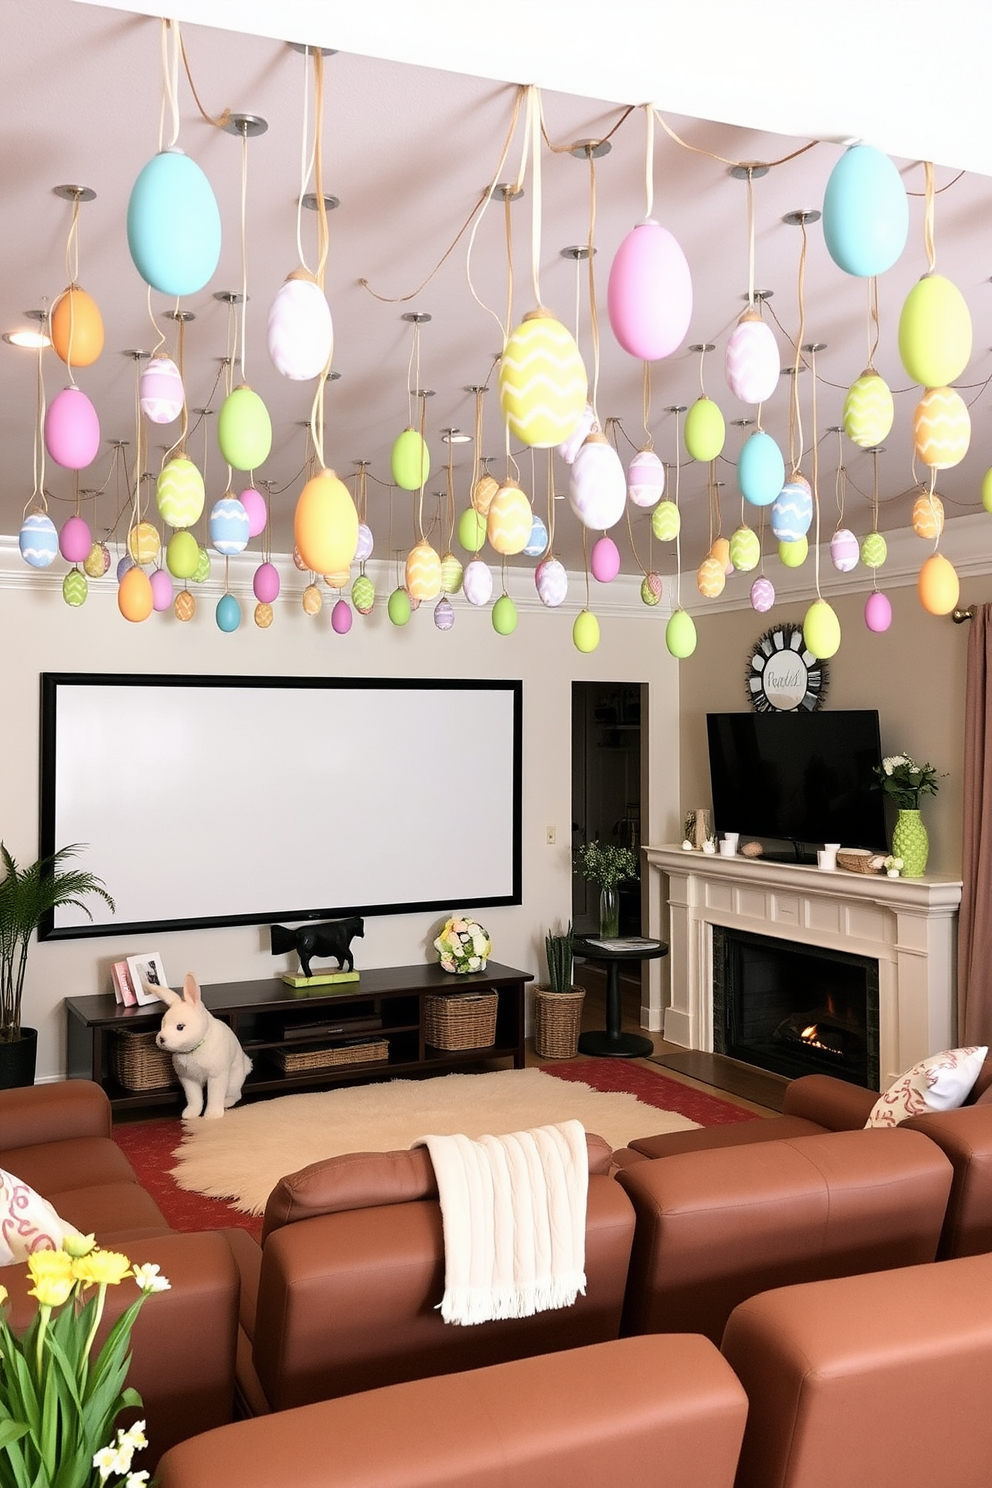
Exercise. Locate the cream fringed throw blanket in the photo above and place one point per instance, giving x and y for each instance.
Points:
(513, 1211)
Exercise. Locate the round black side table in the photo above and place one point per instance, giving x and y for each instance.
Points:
(612, 954)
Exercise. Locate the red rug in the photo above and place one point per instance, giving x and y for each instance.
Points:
(149, 1145)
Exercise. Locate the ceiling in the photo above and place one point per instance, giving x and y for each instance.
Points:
(410, 150)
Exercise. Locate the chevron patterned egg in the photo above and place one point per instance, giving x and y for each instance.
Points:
(410, 461)
(538, 540)
(569, 448)
(160, 391)
(363, 594)
(263, 614)
(185, 606)
(365, 543)
(477, 582)
(868, 410)
(844, 550)
(551, 579)
(451, 574)
(266, 583)
(792, 509)
(762, 595)
(928, 515)
(97, 560)
(649, 294)
(645, 479)
(597, 485)
(760, 469)
(510, 519)
(74, 588)
(941, 428)
(228, 526)
(752, 360)
(874, 550)
(325, 524)
(444, 613)
(254, 504)
(341, 617)
(201, 572)
(666, 521)
(705, 430)
(423, 572)
(604, 560)
(794, 554)
(710, 578)
(179, 492)
(585, 632)
(483, 492)
(938, 585)
(300, 332)
(651, 588)
(542, 382)
(143, 542)
(312, 600)
(471, 529)
(934, 332)
(745, 549)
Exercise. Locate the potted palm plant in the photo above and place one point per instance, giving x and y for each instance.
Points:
(26, 896)
(558, 1005)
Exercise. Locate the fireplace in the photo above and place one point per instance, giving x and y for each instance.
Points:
(795, 1009)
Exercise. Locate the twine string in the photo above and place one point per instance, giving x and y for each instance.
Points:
(928, 216)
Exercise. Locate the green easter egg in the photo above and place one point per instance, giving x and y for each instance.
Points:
(75, 588)
(935, 332)
(410, 461)
(793, 554)
(705, 430)
(651, 588)
(745, 549)
(504, 616)
(821, 630)
(472, 527)
(666, 521)
(680, 635)
(244, 429)
(451, 574)
(987, 490)
(398, 607)
(873, 550)
(202, 571)
(182, 555)
(363, 594)
(585, 631)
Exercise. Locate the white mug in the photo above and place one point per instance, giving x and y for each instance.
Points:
(827, 856)
(728, 849)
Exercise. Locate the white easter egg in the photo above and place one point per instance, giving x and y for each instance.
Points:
(845, 551)
(551, 580)
(752, 360)
(300, 333)
(597, 485)
(477, 582)
(645, 479)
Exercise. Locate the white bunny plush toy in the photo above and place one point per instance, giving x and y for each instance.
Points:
(205, 1052)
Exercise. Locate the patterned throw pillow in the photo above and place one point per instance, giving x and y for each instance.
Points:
(938, 1083)
(27, 1221)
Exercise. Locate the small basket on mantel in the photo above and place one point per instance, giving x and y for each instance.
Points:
(860, 860)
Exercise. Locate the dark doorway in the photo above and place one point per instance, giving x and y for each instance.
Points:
(607, 787)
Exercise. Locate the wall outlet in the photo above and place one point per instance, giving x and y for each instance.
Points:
(551, 835)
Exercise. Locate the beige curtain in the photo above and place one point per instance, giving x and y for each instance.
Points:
(975, 922)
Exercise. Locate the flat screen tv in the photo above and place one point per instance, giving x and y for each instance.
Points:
(801, 779)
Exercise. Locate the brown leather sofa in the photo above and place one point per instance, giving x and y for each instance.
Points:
(639, 1411)
(344, 1294)
(57, 1138)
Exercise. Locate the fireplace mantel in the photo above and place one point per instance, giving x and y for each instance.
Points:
(909, 925)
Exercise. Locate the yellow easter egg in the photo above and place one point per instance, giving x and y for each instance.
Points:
(423, 572)
(941, 428)
(938, 585)
(542, 382)
(325, 524)
(793, 554)
(666, 521)
(987, 490)
(264, 614)
(705, 430)
(312, 600)
(182, 554)
(874, 550)
(821, 630)
(680, 635)
(179, 492)
(143, 542)
(868, 410)
(928, 515)
(510, 519)
(710, 578)
(338, 579)
(585, 631)
(934, 332)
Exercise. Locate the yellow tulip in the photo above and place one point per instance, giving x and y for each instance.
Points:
(105, 1267)
(51, 1272)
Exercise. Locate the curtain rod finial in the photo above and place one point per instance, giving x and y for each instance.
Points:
(960, 616)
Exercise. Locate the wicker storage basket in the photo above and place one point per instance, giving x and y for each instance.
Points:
(460, 1020)
(372, 1052)
(557, 1019)
(859, 860)
(138, 1063)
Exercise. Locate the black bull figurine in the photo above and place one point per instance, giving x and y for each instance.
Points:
(332, 938)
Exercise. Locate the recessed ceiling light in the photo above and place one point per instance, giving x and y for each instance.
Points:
(455, 436)
(32, 339)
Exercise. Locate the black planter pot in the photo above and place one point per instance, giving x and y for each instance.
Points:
(18, 1059)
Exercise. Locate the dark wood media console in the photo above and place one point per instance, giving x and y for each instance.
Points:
(273, 1021)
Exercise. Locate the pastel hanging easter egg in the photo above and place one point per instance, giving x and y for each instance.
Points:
(160, 390)
(938, 585)
(865, 212)
(185, 606)
(720, 550)
(597, 485)
(987, 490)
(366, 543)
(201, 572)
(934, 332)
(762, 595)
(542, 382)
(844, 550)
(263, 615)
(311, 600)
(874, 550)
(504, 616)
(227, 614)
(228, 526)
(680, 635)
(173, 224)
(645, 479)
(868, 410)
(752, 361)
(124, 563)
(97, 560)
(941, 428)
(483, 492)
(451, 574)
(745, 549)
(134, 595)
(143, 542)
(179, 492)
(75, 588)
(341, 617)
(510, 519)
(821, 630)
(651, 589)
(444, 613)
(254, 504)
(398, 607)
(792, 509)
(75, 540)
(265, 584)
(587, 424)
(604, 561)
(710, 578)
(325, 523)
(649, 293)
(551, 579)
(76, 327)
(794, 554)
(471, 529)
(477, 582)
(423, 571)
(705, 430)
(760, 469)
(161, 589)
(410, 461)
(244, 429)
(928, 515)
(666, 521)
(585, 632)
(363, 594)
(337, 580)
(72, 429)
(878, 612)
(300, 333)
(182, 554)
(538, 540)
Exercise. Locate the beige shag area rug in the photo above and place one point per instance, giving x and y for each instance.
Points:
(242, 1156)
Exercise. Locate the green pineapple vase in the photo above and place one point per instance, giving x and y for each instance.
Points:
(911, 843)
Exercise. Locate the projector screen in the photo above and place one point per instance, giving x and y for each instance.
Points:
(206, 801)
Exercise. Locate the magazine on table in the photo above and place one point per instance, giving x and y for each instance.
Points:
(622, 943)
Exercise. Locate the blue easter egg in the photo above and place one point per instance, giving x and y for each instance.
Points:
(228, 613)
(760, 470)
(792, 510)
(538, 540)
(38, 540)
(173, 224)
(865, 212)
(229, 526)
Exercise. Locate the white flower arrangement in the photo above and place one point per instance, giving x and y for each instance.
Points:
(463, 945)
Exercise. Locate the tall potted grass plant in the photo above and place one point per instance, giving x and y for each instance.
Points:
(558, 1004)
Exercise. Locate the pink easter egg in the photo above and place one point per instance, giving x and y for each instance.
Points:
(265, 584)
(762, 595)
(645, 479)
(160, 391)
(258, 514)
(72, 429)
(162, 593)
(341, 617)
(604, 561)
(75, 540)
(752, 361)
(845, 550)
(649, 295)
(878, 612)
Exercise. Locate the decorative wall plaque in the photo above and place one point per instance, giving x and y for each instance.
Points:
(783, 676)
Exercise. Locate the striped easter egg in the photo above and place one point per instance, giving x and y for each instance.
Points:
(228, 526)
(423, 571)
(542, 382)
(666, 521)
(179, 492)
(201, 572)
(510, 519)
(160, 391)
(363, 594)
(451, 573)
(645, 479)
(551, 580)
(588, 424)
(710, 578)
(941, 428)
(928, 515)
(597, 485)
(143, 542)
(752, 359)
(444, 613)
(844, 550)
(868, 410)
(792, 509)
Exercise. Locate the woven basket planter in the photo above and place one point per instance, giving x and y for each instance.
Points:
(557, 1020)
